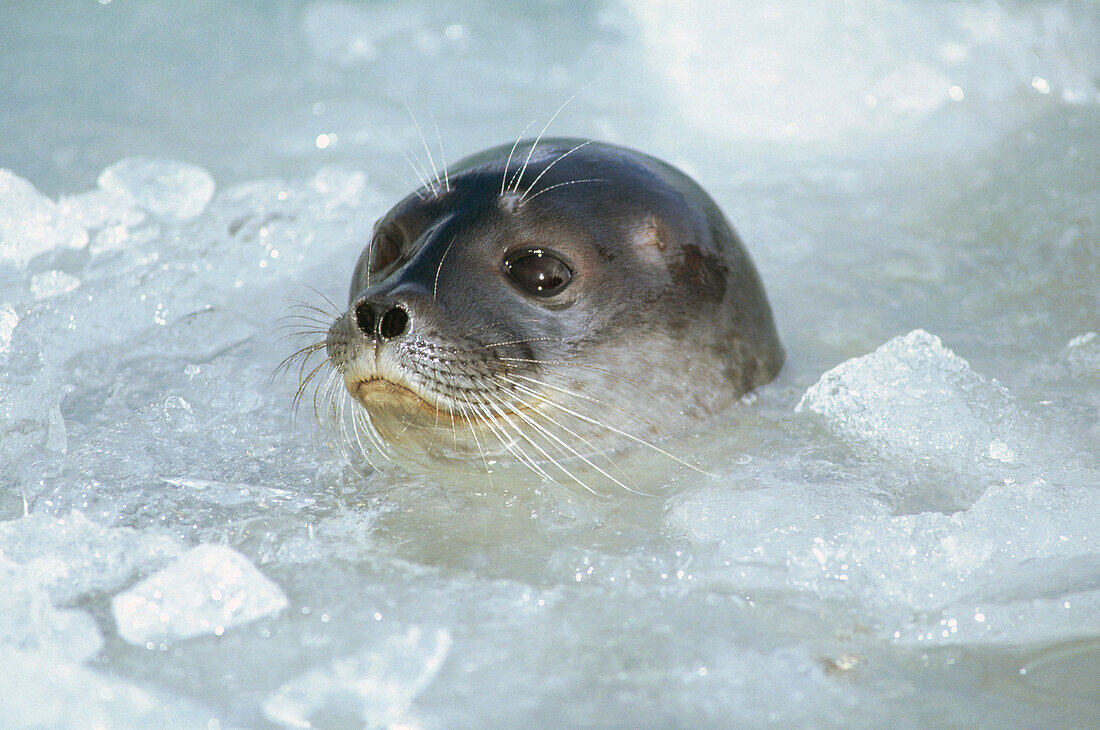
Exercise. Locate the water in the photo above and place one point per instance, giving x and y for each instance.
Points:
(901, 530)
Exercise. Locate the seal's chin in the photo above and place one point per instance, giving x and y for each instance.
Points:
(410, 424)
(386, 399)
(418, 425)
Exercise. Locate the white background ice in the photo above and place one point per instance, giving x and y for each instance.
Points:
(915, 545)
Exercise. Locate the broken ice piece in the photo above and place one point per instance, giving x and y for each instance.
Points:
(373, 688)
(209, 589)
(53, 283)
(72, 556)
(165, 188)
(916, 399)
(31, 223)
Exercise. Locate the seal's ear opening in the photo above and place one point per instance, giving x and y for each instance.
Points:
(384, 250)
(650, 238)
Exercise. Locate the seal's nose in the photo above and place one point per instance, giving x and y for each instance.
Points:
(393, 322)
(364, 317)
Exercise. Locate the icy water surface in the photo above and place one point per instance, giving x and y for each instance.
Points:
(902, 530)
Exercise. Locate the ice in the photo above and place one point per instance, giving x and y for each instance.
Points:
(38, 692)
(8, 322)
(916, 545)
(102, 207)
(53, 283)
(370, 689)
(915, 399)
(31, 224)
(73, 556)
(166, 188)
(843, 78)
(29, 621)
(925, 576)
(207, 590)
(30, 395)
(1082, 353)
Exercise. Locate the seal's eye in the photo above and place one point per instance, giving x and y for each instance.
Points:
(538, 272)
(383, 252)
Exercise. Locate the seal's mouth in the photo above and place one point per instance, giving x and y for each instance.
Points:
(381, 394)
(384, 398)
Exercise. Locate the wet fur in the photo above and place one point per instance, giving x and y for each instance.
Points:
(665, 322)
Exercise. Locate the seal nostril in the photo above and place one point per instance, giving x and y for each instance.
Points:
(393, 323)
(364, 318)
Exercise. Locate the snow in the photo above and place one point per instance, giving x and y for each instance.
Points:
(902, 527)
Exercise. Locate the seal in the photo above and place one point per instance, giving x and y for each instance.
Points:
(548, 303)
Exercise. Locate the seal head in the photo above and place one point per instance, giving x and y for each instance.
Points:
(547, 302)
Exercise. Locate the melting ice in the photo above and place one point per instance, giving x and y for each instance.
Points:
(902, 527)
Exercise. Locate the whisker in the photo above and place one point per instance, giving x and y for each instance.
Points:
(293, 319)
(531, 422)
(421, 173)
(442, 154)
(504, 178)
(336, 311)
(361, 422)
(303, 353)
(592, 399)
(423, 141)
(525, 458)
(301, 309)
(477, 441)
(435, 285)
(571, 363)
(405, 184)
(561, 185)
(520, 342)
(547, 168)
(297, 331)
(613, 429)
(531, 152)
(303, 384)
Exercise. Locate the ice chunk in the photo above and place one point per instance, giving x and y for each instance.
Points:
(238, 493)
(29, 396)
(73, 556)
(30, 223)
(1082, 354)
(1081, 340)
(100, 208)
(118, 237)
(8, 321)
(29, 621)
(165, 188)
(37, 691)
(915, 399)
(53, 283)
(836, 544)
(373, 688)
(209, 589)
(338, 187)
